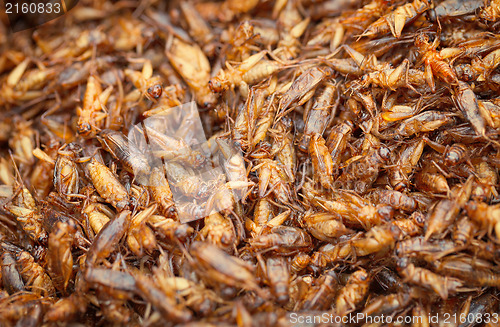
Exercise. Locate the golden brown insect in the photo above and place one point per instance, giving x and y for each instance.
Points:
(60, 257)
(166, 305)
(66, 309)
(386, 303)
(355, 210)
(122, 150)
(66, 175)
(322, 294)
(273, 177)
(303, 86)
(34, 276)
(475, 271)
(318, 117)
(408, 159)
(11, 277)
(396, 199)
(484, 188)
(283, 147)
(362, 171)
(219, 230)
(171, 229)
(278, 276)
(432, 181)
(91, 114)
(146, 84)
(219, 267)
(108, 238)
(161, 192)
(192, 64)
(420, 247)
(396, 20)
(107, 185)
(325, 226)
(350, 296)
(247, 72)
(321, 160)
(337, 140)
(282, 239)
(466, 101)
(443, 286)
(378, 239)
(97, 215)
(446, 210)
(172, 148)
(140, 237)
(299, 262)
(30, 220)
(427, 121)
(485, 215)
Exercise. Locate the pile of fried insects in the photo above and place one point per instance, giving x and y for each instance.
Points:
(368, 143)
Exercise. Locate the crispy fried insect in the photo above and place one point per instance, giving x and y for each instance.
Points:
(466, 101)
(446, 210)
(491, 12)
(361, 172)
(140, 237)
(484, 188)
(11, 277)
(60, 257)
(67, 309)
(434, 62)
(161, 192)
(122, 150)
(91, 115)
(283, 147)
(107, 185)
(66, 175)
(146, 84)
(219, 230)
(165, 304)
(22, 142)
(299, 262)
(34, 276)
(248, 72)
(31, 222)
(485, 215)
(108, 238)
(396, 199)
(171, 229)
(321, 160)
(192, 64)
(281, 239)
(322, 111)
(325, 226)
(97, 215)
(272, 176)
(396, 20)
(384, 304)
(408, 158)
(337, 140)
(322, 294)
(378, 239)
(303, 86)
(355, 291)
(217, 266)
(443, 286)
(475, 271)
(278, 276)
